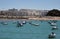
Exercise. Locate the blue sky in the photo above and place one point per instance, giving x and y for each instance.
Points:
(30, 4)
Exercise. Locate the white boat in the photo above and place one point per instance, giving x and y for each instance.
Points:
(24, 22)
(53, 24)
(54, 28)
(5, 23)
(35, 24)
(14, 22)
(52, 35)
(19, 24)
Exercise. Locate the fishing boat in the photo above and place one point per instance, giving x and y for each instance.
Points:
(54, 21)
(24, 22)
(19, 24)
(14, 22)
(52, 35)
(53, 24)
(4, 23)
(54, 28)
(34, 24)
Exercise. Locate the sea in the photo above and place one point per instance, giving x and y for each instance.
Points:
(9, 29)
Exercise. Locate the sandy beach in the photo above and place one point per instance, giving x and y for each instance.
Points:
(33, 18)
(46, 18)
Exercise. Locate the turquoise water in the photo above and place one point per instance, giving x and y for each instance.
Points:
(28, 31)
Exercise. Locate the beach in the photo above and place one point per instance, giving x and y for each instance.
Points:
(37, 18)
(29, 18)
(46, 18)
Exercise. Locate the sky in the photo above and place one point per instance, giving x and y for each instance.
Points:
(30, 4)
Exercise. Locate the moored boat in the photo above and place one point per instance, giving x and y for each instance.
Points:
(52, 35)
(53, 24)
(24, 22)
(54, 28)
(19, 24)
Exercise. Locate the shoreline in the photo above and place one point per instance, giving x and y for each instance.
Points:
(33, 18)
(46, 18)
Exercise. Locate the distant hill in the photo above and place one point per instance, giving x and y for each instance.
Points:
(54, 12)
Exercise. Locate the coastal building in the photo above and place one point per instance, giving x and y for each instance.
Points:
(23, 12)
(32, 12)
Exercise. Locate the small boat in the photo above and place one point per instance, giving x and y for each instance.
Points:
(53, 24)
(24, 22)
(33, 24)
(54, 28)
(30, 23)
(52, 35)
(4, 23)
(54, 21)
(49, 22)
(14, 22)
(36, 24)
(19, 24)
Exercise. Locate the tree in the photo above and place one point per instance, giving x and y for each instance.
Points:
(53, 12)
